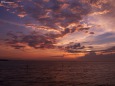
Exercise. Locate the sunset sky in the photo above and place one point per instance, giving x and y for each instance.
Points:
(49, 29)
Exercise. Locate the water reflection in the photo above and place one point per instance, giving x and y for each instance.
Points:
(20, 73)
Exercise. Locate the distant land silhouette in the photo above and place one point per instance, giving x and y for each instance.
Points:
(4, 60)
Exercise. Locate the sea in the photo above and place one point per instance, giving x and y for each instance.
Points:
(57, 73)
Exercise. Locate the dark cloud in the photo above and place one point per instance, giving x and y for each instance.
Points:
(81, 29)
(96, 3)
(34, 39)
(54, 11)
(18, 46)
(91, 47)
(39, 41)
(93, 57)
(91, 33)
(73, 47)
(111, 49)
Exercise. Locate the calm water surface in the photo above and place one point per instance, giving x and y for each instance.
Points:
(54, 73)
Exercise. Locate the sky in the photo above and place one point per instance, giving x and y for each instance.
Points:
(52, 29)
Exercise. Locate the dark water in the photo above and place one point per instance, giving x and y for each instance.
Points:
(52, 73)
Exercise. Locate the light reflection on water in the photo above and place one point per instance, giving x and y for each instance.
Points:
(52, 73)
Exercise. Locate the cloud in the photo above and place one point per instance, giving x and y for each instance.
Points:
(37, 40)
(62, 21)
(34, 39)
(51, 14)
(96, 3)
(100, 12)
(111, 49)
(73, 47)
(91, 33)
